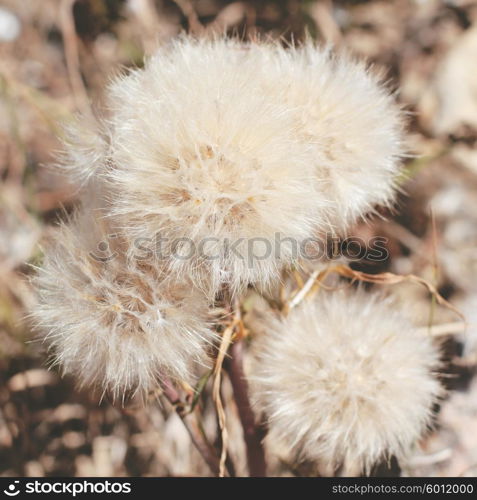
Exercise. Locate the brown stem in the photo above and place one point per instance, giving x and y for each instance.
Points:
(253, 433)
(190, 423)
(70, 41)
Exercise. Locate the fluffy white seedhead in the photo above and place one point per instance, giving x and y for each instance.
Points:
(116, 324)
(202, 155)
(345, 380)
(224, 157)
(349, 118)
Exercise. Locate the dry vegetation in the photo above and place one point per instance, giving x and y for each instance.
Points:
(57, 55)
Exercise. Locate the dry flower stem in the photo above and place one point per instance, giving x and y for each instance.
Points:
(253, 434)
(224, 346)
(190, 423)
(444, 329)
(392, 279)
(304, 290)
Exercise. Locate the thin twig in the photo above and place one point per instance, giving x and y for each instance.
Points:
(191, 424)
(70, 41)
(195, 26)
(388, 278)
(229, 16)
(322, 14)
(304, 290)
(407, 238)
(155, 29)
(444, 329)
(224, 346)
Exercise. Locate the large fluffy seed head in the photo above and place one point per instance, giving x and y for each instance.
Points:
(221, 150)
(345, 380)
(199, 150)
(116, 324)
(349, 119)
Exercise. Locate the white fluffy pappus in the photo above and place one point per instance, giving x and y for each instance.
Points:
(218, 144)
(345, 380)
(114, 324)
(349, 118)
(84, 153)
(199, 150)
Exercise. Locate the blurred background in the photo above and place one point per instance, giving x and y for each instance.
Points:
(55, 58)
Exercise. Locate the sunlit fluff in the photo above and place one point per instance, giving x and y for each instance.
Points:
(115, 324)
(217, 143)
(350, 120)
(345, 380)
(200, 151)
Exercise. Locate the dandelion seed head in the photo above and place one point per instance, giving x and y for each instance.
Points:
(199, 150)
(351, 121)
(217, 144)
(346, 380)
(114, 324)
